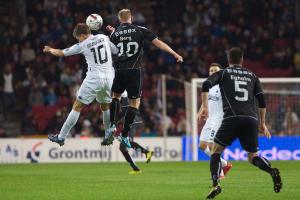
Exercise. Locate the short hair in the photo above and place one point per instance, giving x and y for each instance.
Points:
(124, 14)
(235, 55)
(215, 65)
(81, 28)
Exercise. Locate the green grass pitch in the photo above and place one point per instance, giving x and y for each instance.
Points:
(167, 181)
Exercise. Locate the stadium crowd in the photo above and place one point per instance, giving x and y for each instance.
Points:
(42, 87)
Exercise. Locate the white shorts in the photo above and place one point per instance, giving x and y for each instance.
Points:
(95, 88)
(210, 129)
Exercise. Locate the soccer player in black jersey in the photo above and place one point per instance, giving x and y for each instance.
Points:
(240, 88)
(130, 39)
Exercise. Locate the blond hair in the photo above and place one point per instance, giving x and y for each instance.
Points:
(124, 15)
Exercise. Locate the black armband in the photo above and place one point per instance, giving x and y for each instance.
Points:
(261, 100)
(206, 86)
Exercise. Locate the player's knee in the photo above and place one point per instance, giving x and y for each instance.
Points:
(134, 103)
(216, 148)
(203, 146)
(77, 106)
(116, 96)
(104, 106)
(251, 156)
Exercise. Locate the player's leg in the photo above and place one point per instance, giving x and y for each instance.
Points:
(215, 162)
(128, 158)
(134, 90)
(132, 111)
(206, 148)
(206, 141)
(115, 107)
(136, 146)
(85, 95)
(249, 142)
(265, 165)
(68, 124)
(224, 137)
(215, 170)
(108, 137)
(103, 96)
(118, 87)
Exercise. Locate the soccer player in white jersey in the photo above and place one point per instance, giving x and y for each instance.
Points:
(213, 123)
(97, 50)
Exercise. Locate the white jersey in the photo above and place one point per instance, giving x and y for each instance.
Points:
(97, 50)
(215, 105)
(215, 115)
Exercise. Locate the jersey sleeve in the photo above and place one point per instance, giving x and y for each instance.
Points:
(257, 87)
(112, 37)
(259, 94)
(148, 34)
(73, 50)
(212, 80)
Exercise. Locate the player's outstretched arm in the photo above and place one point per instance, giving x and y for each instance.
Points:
(55, 52)
(163, 46)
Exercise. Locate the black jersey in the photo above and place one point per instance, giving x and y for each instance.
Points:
(239, 88)
(130, 40)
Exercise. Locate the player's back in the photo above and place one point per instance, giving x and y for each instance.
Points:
(239, 86)
(97, 51)
(130, 39)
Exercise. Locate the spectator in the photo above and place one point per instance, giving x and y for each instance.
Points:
(291, 121)
(7, 86)
(2, 132)
(35, 96)
(27, 53)
(200, 30)
(51, 97)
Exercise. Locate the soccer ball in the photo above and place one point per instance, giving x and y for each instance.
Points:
(94, 22)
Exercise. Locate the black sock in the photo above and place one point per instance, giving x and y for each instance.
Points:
(128, 158)
(129, 118)
(121, 114)
(114, 110)
(262, 163)
(136, 146)
(215, 167)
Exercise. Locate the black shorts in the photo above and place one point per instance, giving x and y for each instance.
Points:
(243, 128)
(129, 80)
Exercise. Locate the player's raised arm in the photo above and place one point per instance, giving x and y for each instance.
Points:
(55, 52)
(163, 46)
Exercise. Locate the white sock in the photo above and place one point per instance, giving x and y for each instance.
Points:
(223, 162)
(106, 121)
(207, 152)
(69, 124)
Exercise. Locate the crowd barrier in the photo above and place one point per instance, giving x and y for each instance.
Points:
(276, 148)
(83, 150)
(169, 149)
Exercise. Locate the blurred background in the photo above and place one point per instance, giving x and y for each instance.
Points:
(37, 90)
